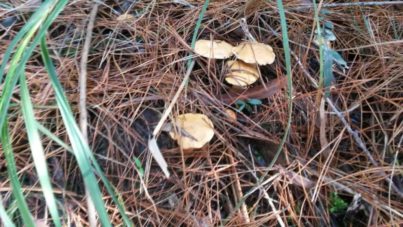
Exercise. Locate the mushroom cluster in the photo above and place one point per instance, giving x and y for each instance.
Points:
(249, 55)
(192, 130)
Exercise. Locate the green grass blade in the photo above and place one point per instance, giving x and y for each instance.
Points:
(27, 27)
(196, 31)
(287, 55)
(4, 216)
(321, 47)
(86, 149)
(38, 153)
(53, 137)
(24, 52)
(12, 174)
(80, 148)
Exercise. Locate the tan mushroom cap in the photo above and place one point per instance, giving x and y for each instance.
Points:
(231, 115)
(241, 74)
(194, 130)
(215, 49)
(254, 53)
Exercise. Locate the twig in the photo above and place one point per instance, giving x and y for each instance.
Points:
(238, 190)
(259, 185)
(265, 194)
(168, 110)
(245, 29)
(92, 217)
(361, 144)
(184, 3)
(349, 4)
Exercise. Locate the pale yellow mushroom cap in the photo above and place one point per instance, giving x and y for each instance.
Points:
(193, 130)
(215, 49)
(241, 74)
(254, 53)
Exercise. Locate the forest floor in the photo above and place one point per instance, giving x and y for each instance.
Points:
(336, 168)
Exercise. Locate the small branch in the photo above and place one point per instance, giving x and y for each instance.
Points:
(245, 29)
(265, 194)
(238, 189)
(348, 4)
(92, 217)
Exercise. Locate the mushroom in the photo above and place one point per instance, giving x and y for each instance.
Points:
(254, 53)
(241, 74)
(193, 130)
(231, 115)
(214, 49)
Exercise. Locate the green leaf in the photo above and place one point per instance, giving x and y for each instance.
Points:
(78, 143)
(53, 137)
(338, 59)
(328, 25)
(337, 204)
(39, 14)
(254, 102)
(139, 166)
(328, 77)
(240, 105)
(329, 35)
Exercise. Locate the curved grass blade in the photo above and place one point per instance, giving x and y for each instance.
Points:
(287, 55)
(24, 52)
(321, 46)
(4, 216)
(42, 10)
(53, 137)
(108, 186)
(196, 30)
(38, 153)
(79, 146)
(12, 174)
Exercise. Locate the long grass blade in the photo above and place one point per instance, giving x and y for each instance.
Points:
(81, 150)
(24, 52)
(4, 216)
(29, 25)
(12, 174)
(38, 153)
(287, 55)
(53, 137)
